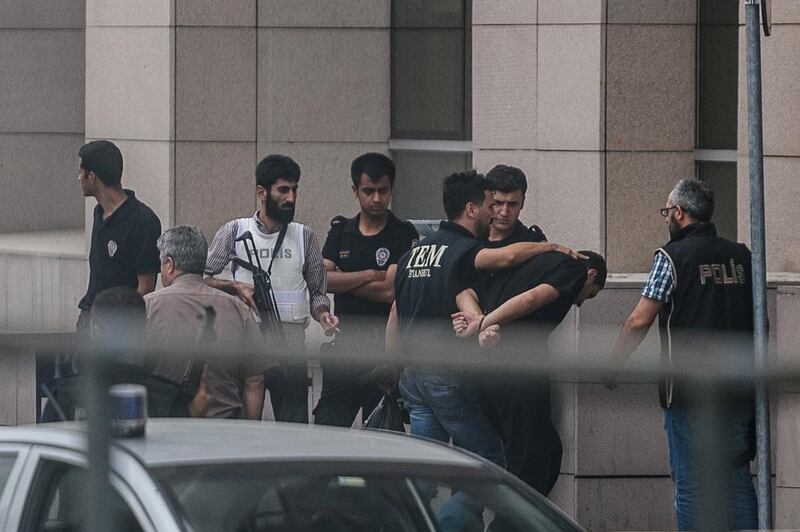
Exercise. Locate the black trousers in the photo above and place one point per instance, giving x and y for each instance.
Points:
(346, 388)
(519, 408)
(288, 391)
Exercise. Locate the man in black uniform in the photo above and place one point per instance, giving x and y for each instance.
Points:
(510, 186)
(442, 405)
(360, 256)
(699, 287)
(124, 232)
(532, 299)
(123, 247)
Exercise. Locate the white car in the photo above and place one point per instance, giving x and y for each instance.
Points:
(239, 476)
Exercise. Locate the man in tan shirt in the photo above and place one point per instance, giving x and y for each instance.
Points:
(231, 387)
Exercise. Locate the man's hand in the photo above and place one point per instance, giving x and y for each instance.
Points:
(465, 324)
(329, 322)
(245, 291)
(489, 337)
(567, 251)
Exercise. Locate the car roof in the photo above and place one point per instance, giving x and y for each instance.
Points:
(187, 441)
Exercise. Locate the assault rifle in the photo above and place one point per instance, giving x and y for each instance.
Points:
(271, 326)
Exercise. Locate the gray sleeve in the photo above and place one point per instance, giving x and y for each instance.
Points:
(314, 272)
(221, 248)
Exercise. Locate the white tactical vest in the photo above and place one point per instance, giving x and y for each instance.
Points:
(288, 283)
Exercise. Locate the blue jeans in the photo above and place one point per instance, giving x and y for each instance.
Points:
(441, 408)
(681, 425)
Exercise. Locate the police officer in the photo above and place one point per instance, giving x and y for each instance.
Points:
(360, 256)
(298, 276)
(123, 243)
(124, 231)
(699, 287)
(510, 187)
(429, 277)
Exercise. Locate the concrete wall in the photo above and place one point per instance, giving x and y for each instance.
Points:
(781, 108)
(595, 102)
(538, 103)
(130, 97)
(308, 79)
(40, 288)
(41, 113)
(787, 422)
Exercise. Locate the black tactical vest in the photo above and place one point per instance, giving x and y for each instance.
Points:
(426, 285)
(709, 318)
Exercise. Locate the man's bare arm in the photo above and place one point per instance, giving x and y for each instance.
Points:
(490, 259)
(470, 320)
(521, 305)
(380, 290)
(467, 301)
(341, 282)
(254, 396)
(146, 283)
(392, 332)
(633, 332)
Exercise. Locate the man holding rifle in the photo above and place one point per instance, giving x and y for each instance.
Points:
(292, 253)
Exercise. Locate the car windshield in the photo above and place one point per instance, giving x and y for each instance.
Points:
(255, 497)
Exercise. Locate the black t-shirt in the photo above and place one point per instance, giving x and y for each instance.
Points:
(520, 234)
(351, 251)
(123, 247)
(430, 276)
(562, 272)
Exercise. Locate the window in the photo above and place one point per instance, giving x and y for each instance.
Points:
(327, 496)
(58, 501)
(431, 100)
(717, 107)
(6, 464)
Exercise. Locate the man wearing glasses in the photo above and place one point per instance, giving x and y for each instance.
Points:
(699, 287)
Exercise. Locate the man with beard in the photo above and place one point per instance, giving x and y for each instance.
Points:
(699, 287)
(297, 272)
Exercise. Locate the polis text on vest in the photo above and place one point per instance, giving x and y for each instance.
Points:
(722, 274)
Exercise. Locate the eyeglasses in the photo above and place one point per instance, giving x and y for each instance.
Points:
(665, 211)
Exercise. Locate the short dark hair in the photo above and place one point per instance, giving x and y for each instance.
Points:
(104, 159)
(461, 188)
(507, 178)
(695, 197)
(375, 165)
(597, 262)
(274, 167)
(119, 310)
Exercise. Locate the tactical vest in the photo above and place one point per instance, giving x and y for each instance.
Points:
(288, 283)
(711, 299)
(426, 285)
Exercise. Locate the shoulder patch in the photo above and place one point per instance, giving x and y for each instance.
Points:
(338, 220)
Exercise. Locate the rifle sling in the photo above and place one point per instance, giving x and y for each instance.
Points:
(278, 244)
